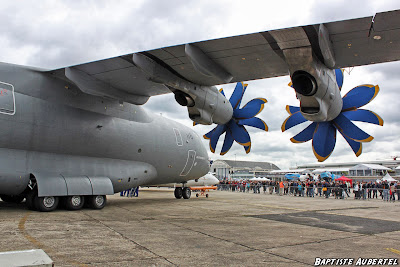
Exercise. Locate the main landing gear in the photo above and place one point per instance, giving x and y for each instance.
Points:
(51, 203)
(184, 192)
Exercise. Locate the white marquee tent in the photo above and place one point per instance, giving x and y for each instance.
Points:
(388, 178)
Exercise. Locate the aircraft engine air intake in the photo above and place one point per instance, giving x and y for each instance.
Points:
(304, 83)
(234, 129)
(184, 99)
(323, 132)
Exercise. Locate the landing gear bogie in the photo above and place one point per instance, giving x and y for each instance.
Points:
(184, 192)
(50, 203)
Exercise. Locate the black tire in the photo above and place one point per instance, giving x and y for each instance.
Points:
(178, 192)
(206, 195)
(186, 193)
(197, 195)
(74, 202)
(96, 202)
(12, 199)
(30, 200)
(46, 204)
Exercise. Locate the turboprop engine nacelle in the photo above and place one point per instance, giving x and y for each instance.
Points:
(206, 105)
(315, 85)
(311, 68)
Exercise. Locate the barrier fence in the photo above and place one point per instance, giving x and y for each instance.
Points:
(322, 191)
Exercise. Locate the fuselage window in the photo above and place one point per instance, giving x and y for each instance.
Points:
(178, 137)
(7, 100)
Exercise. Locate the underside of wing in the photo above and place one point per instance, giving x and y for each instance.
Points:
(260, 55)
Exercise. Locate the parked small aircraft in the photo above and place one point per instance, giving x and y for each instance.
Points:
(205, 181)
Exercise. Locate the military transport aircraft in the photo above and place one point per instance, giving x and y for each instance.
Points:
(76, 134)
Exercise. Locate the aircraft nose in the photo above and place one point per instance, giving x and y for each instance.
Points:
(215, 180)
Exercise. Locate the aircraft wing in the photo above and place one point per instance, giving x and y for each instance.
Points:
(259, 55)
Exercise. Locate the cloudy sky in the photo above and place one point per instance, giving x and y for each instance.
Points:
(53, 34)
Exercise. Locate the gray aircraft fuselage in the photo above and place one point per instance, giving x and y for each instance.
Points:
(58, 130)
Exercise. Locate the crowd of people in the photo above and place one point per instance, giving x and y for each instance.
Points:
(339, 189)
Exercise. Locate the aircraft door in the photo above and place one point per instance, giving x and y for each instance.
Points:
(178, 137)
(7, 100)
(189, 163)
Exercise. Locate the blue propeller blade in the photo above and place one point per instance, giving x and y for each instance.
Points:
(235, 130)
(324, 140)
(227, 142)
(347, 128)
(208, 135)
(220, 129)
(291, 109)
(251, 109)
(339, 78)
(293, 120)
(355, 146)
(364, 116)
(359, 96)
(237, 95)
(254, 122)
(222, 92)
(305, 135)
(239, 133)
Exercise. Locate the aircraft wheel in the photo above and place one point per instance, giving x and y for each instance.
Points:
(46, 203)
(206, 195)
(197, 195)
(178, 192)
(186, 192)
(96, 202)
(74, 202)
(30, 200)
(12, 199)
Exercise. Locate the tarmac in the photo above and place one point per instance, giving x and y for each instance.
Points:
(225, 229)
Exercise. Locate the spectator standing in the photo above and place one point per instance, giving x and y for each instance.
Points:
(281, 187)
(392, 191)
(385, 191)
(355, 189)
